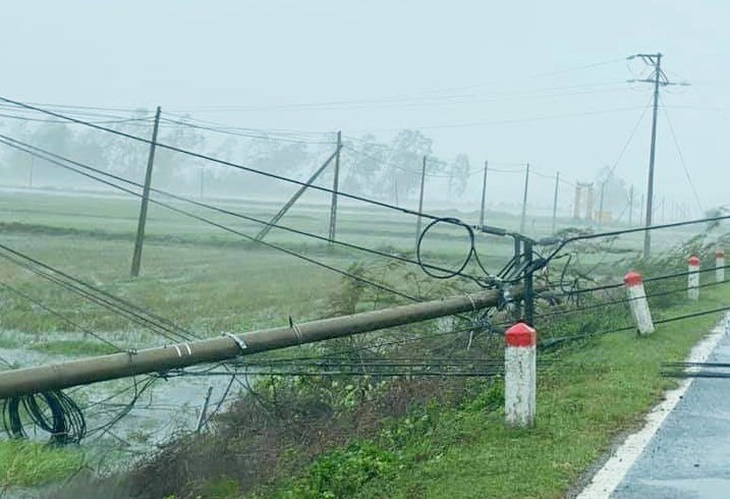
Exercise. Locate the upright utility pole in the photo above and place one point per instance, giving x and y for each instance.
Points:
(524, 199)
(555, 200)
(420, 200)
(484, 195)
(137, 256)
(659, 78)
(335, 187)
(30, 173)
(650, 187)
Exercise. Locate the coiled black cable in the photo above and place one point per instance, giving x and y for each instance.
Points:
(448, 274)
(53, 412)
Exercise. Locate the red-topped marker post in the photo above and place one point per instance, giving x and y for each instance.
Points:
(720, 265)
(638, 303)
(520, 376)
(693, 278)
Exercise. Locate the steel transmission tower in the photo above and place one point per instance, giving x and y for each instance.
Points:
(657, 79)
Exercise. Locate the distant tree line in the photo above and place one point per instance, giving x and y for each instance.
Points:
(384, 169)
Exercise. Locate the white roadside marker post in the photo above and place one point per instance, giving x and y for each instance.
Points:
(520, 378)
(693, 278)
(638, 303)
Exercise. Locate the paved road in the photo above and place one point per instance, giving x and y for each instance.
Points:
(689, 456)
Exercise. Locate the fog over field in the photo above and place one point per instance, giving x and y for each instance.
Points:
(276, 248)
(462, 82)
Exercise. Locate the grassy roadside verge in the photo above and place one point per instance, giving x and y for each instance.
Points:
(598, 389)
(26, 463)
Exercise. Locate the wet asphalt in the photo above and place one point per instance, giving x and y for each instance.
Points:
(689, 456)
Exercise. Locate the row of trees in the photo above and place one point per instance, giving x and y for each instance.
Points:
(369, 166)
(384, 169)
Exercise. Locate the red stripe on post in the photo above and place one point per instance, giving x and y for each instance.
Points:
(521, 335)
(694, 261)
(720, 253)
(632, 279)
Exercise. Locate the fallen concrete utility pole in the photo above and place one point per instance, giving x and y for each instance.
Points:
(228, 346)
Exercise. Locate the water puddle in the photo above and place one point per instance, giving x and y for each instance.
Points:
(167, 408)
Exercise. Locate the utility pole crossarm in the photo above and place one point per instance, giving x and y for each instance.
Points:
(38, 379)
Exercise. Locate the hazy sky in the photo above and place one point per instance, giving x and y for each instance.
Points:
(511, 82)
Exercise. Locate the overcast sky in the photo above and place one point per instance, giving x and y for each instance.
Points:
(511, 82)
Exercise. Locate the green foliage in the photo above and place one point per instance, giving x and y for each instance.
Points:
(25, 463)
(343, 472)
(586, 396)
(349, 435)
(458, 175)
(330, 394)
(223, 487)
(345, 300)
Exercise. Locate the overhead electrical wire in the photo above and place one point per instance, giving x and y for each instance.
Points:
(430, 93)
(414, 100)
(471, 254)
(238, 133)
(629, 140)
(59, 315)
(46, 154)
(79, 107)
(158, 324)
(628, 300)
(468, 173)
(558, 340)
(681, 159)
(237, 232)
(510, 121)
(388, 164)
(220, 161)
(133, 116)
(100, 122)
(396, 207)
(560, 243)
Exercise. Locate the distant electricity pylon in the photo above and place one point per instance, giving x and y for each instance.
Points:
(658, 78)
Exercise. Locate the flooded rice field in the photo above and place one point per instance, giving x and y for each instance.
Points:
(126, 417)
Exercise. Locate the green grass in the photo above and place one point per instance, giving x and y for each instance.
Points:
(26, 463)
(73, 347)
(209, 281)
(597, 390)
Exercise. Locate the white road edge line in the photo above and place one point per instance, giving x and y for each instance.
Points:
(605, 481)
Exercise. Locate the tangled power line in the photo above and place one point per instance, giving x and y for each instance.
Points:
(57, 414)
